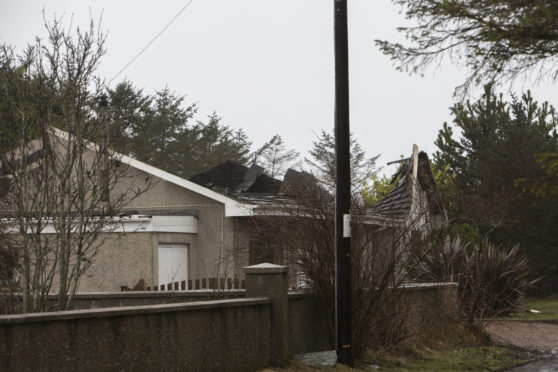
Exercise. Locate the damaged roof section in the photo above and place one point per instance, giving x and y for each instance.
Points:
(232, 177)
(293, 180)
(251, 185)
(396, 204)
(416, 192)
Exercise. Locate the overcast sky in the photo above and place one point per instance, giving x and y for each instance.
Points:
(265, 65)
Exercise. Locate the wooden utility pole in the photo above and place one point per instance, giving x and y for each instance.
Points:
(342, 189)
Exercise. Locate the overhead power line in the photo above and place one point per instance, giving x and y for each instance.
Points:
(152, 41)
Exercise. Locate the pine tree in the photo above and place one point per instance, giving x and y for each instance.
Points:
(129, 114)
(275, 157)
(497, 149)
(494, 39)
(160, 130)
(204, 145)
(169, 121)
(322, 162)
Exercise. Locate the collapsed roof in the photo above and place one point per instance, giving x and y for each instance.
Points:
(415, 193)
(232, 177)
(250, 184)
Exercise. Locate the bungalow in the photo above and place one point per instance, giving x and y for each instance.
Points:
(177, 229)
(180, 230)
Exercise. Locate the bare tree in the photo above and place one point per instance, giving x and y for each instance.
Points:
(8, 260)
(300, 230)
(64, 192)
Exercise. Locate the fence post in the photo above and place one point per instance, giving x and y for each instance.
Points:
(269, 280)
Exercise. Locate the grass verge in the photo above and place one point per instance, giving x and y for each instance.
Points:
(479, 358)
(548, 307)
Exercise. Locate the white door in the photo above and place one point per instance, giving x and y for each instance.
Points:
(173, 263)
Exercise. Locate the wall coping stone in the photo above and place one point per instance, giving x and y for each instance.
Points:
(150, 294)
(130, 310)
(295, 295)
(423, 286)
(265, 268)
(140, 294)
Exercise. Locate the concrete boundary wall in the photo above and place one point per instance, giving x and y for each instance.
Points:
(226, 335)
(241, 334)
(307, 327)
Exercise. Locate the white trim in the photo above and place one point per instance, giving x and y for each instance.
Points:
(239, 209)
(414, 158)
(180, 224)
(135, 223)
(233, 208)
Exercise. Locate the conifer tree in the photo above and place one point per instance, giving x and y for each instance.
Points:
(130, 112)
(275, 157)
(496, 149)
(213, 143)
(160, 130)
(494, 39)
(170, 119)
(322, 162)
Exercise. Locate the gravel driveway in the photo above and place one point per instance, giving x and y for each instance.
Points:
(527, 335)
(539, 337)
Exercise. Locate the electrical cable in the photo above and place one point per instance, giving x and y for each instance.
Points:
(152, 40)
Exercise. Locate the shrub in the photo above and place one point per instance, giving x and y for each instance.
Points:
(491, 280)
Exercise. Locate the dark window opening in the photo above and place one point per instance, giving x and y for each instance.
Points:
(263, 252)
(8, 262)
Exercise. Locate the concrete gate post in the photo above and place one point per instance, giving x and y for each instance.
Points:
(269, 280)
